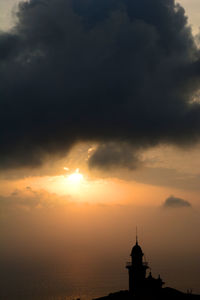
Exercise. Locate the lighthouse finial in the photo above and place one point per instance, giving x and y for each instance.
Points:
(136, 236)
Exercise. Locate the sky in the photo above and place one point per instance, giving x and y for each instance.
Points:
(99, 134)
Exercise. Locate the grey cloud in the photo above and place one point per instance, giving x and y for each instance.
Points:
(174, 202)
(30, 199)
(17, 200)
(104, 71)
(110, 155)
(164, 177)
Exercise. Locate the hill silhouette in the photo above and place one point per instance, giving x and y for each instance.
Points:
(165, 294)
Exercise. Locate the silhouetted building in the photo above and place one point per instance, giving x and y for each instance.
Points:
(138, 282)
(145, 287)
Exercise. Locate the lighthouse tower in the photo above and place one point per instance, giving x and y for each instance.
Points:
(137, 270)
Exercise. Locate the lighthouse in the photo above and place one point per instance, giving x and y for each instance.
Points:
(138, 282)
(137, 269)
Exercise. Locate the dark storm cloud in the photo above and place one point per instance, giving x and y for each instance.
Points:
(175, 202)
(96, 70)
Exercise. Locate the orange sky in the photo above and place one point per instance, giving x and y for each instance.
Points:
(52, 220)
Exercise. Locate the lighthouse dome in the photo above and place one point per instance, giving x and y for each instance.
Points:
(136, 250)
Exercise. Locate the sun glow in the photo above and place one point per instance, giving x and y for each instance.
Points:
(75, 178)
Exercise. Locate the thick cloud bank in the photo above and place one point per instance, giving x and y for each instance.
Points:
(121, 71)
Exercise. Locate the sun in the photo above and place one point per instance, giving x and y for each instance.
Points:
(75, 178)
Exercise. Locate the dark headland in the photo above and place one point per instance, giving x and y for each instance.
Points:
(142, 286)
